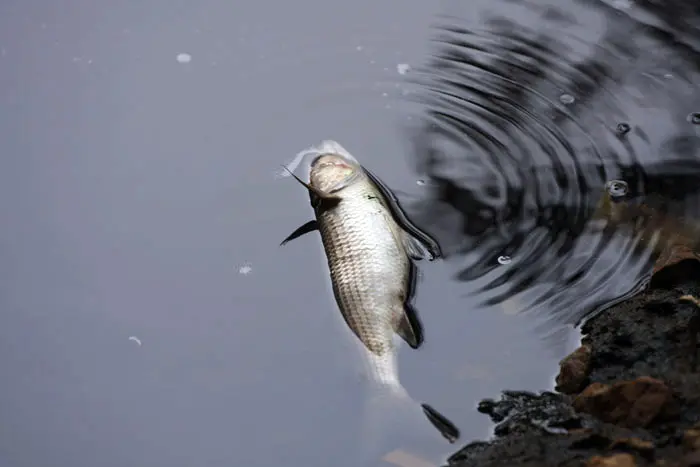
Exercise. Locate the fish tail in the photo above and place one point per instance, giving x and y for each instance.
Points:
(392, 418)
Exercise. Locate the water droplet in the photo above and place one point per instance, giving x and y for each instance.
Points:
(567, 99)
(504, 259)
(420, 182)
(403, 68)
(184, 58)
(622, 128)
(694, 118)
(617, 188)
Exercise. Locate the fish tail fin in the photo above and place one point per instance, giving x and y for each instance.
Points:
(392, 417)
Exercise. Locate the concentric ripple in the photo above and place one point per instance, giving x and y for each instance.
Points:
(522, 128)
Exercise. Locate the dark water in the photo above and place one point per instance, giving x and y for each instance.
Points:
(139, 200)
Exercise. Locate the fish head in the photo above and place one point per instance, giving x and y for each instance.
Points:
(333, 172)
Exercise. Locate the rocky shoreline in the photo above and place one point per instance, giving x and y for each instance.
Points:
(629, 396)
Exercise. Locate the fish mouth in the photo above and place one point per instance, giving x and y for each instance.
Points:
(330, 160)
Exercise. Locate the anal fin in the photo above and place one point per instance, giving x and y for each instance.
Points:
(409, 327)
(444, 425)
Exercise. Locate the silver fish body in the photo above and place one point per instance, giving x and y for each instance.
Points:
(370, 272)
(370, 246)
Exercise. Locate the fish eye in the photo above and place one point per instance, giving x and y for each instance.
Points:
(618, 188)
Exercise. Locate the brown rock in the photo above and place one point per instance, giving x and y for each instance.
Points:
(574, 370)
(673, 254)
(691, 439)
(627, 403)
(635, 444)
(616, 460)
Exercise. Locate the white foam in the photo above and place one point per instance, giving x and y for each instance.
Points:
(305, 156)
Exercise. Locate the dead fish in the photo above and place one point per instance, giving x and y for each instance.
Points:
(370, 246)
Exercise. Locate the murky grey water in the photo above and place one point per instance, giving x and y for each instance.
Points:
(138, 197)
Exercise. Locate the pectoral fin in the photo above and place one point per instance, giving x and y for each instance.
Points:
(414, 248)
(304, 229)
(409, 327)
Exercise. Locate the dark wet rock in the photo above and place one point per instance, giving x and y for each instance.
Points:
(573, 370)
(629, 396)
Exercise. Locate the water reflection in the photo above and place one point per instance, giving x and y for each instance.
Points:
(528, 115)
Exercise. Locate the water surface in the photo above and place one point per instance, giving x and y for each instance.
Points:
(140, 143)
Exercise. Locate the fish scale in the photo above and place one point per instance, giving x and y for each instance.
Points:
(368, 269)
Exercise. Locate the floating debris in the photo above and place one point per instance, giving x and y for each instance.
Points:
(403, 68)
(245, 269)
(184, 58)
(694, 118)
(135, 339)
(504, 259)
(420, 182)
(406, 459)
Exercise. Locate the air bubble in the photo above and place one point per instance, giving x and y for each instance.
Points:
(622, 128)
(184, 58)
(694, 118)
(504, 259)
(403, 68)
(567, 99)
(617, 188)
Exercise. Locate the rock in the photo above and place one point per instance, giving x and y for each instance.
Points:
(574, 370)
(628, 403)
(673, 254)
(645, 448)
(690, 460)
(616, 460)
(691, 438)
(638, 358)
(693, 329)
